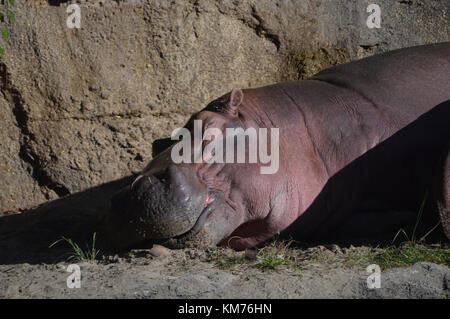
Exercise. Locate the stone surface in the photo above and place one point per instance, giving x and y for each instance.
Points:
(80, 107)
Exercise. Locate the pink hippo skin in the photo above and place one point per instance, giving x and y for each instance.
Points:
(360, 147)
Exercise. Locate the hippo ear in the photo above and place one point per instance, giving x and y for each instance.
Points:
(236, 98)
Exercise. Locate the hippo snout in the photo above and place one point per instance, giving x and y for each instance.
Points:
(159, 205)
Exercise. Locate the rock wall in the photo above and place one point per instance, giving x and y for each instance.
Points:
(80, 107)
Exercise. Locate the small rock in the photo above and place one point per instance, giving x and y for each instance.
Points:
(336, 249)
(158, 250)
(105, 95)
(191, 253)
(93, 88)
(251, 254)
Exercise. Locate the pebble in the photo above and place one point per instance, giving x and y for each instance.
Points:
(158, 250)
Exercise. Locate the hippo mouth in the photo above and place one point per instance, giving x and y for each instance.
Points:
(182, 239)
(206, 212)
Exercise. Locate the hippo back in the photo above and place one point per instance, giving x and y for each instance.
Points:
(418, 77)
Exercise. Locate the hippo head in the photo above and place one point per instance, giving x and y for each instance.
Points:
(179, 203)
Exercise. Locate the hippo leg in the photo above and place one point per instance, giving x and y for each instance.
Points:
(443, 190)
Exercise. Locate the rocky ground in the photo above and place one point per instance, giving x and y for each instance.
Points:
(317, 272)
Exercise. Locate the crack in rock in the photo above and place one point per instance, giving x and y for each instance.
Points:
(261, 30)
(26, 153)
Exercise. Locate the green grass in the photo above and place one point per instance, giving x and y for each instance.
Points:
(88, 255)
(279, 255)
(413, 236)
(406, 254)
(409, 253)
(275, 255)
(413, 249)
(272, 260)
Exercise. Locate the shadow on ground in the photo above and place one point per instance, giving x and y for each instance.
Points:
(26, 237)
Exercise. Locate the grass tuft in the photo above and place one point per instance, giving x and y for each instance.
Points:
(88, 255)
(275, 255)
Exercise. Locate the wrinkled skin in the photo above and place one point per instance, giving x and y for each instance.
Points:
(327, 124)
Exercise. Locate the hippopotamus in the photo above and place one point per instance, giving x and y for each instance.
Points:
(362, 147)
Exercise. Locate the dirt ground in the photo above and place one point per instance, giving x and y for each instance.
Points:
(317, 272)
